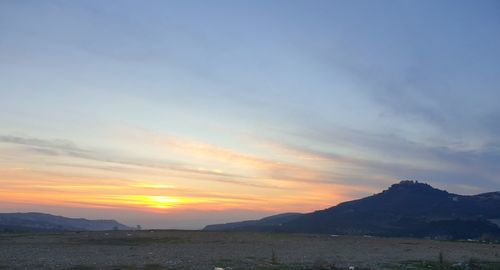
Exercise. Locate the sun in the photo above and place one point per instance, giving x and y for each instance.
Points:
(163, 201)
(153, 201)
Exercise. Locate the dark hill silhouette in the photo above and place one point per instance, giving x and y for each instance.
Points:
(264, 224)
(38, 222)
(408, 208)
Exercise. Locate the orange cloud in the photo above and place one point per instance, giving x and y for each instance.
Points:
(185, 174)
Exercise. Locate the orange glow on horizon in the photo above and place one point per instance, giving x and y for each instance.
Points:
(216, 179)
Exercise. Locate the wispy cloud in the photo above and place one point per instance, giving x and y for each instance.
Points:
(122, 190)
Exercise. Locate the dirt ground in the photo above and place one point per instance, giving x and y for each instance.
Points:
(206, 250)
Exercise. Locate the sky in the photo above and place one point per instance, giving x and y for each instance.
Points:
(179, 114)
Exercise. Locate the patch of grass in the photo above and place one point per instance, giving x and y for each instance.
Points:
(81, 267)
(153, 266)
(274, 257)
(256, 264)
(443, 265)
(266, 264)
(126, 267)
(489, 265)
(418, 265)
(279, 267)
(150, 266)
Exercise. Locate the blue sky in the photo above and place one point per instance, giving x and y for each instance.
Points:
(295, 104)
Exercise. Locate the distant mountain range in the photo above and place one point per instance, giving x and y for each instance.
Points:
(40, 222)
(265, 224)
(409, 209)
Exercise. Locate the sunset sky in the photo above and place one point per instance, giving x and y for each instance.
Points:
(178, 114)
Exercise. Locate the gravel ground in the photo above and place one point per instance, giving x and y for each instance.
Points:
(206, 250)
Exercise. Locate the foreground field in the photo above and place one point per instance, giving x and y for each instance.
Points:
(207, 250)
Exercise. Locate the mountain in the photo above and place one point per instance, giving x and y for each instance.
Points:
(408, 208)
(36, 222)
(264, 224)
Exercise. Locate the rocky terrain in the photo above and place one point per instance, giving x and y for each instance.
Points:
(229, 250)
